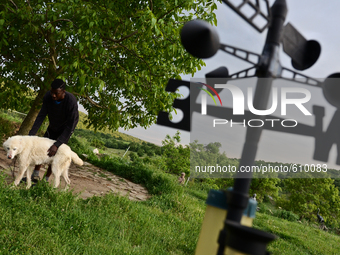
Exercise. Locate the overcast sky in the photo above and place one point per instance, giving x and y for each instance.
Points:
(316, 20)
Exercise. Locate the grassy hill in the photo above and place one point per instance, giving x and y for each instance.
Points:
(43, 221)
(115, 134)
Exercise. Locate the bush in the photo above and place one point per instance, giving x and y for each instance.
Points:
(146, 160)
(140, 152)
(150, 153)
(133, 156)
(111, 144)
(80, 146)
(6, 129)
(98, 143)
(287, 215)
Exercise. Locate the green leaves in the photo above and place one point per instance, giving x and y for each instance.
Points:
(111, 54)
(305, 195)
(175, 158)
(82, 80)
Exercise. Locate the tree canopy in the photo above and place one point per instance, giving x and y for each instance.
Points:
(115, 56)
(305, 195)
(175, 157)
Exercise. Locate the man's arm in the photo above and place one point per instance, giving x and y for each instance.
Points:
(40, 118)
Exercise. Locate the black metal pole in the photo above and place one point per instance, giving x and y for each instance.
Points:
(268, 69)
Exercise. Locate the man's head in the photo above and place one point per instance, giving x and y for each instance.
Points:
(58, 90)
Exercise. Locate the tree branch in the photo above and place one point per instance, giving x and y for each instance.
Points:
(116, 29)
(8, 8)
(123, 38)
(88, 61)
(16, 7)
(151, 5)
(37, 80)
(89, 99)
(134, 53)
(55, 64)
(68, 20)
(169, 12)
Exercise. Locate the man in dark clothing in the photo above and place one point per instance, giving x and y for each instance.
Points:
(62, 110)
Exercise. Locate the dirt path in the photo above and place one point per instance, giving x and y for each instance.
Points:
(89, 180)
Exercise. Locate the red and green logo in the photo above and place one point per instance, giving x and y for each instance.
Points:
(213, 90)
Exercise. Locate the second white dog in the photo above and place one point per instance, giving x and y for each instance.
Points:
(32, 150)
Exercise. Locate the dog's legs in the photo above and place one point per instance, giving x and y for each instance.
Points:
(56, 180)
(64, 172)
(67, 180)
(55, 167)
(22, 170)
(28, 174)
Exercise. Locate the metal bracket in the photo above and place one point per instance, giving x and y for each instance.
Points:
(241, 53)
(244, 73)
(250, 5)
(295, 77)
(300, 78)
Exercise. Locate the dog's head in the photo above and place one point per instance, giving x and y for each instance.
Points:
(11, 146)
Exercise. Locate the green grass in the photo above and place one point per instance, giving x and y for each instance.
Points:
(43, 221)
(115, 152)
(297, 238)
(11, 116)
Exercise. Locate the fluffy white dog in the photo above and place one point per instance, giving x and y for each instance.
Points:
(32, 150)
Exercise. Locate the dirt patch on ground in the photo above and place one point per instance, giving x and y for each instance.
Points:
(88, 180)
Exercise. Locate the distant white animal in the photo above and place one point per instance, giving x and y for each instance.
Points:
(32, 150)
(96, 151)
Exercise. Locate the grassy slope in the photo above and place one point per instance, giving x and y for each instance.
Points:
(42, 221)
(297, 238)
(115, 134)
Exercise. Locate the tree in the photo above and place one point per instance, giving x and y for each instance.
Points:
(116, 56)
(263, 187)
(209, 155)
(98, 143)
(20, 97)
(305, 195)
(337, 183)
(175, 157)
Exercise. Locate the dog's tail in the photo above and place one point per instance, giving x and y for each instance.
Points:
(76, 160)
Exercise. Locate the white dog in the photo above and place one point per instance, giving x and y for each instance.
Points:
(32, 150)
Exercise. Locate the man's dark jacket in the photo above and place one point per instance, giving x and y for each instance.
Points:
(63, 117)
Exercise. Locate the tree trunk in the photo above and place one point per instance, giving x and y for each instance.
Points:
(28, 122)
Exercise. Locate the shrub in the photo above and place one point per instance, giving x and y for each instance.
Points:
(80, 146)
(147, 160)
(6, 129)
(133, 156)
(140, 152)
(150, 153)
(111, 144)
(287, 215)
(98, 143)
